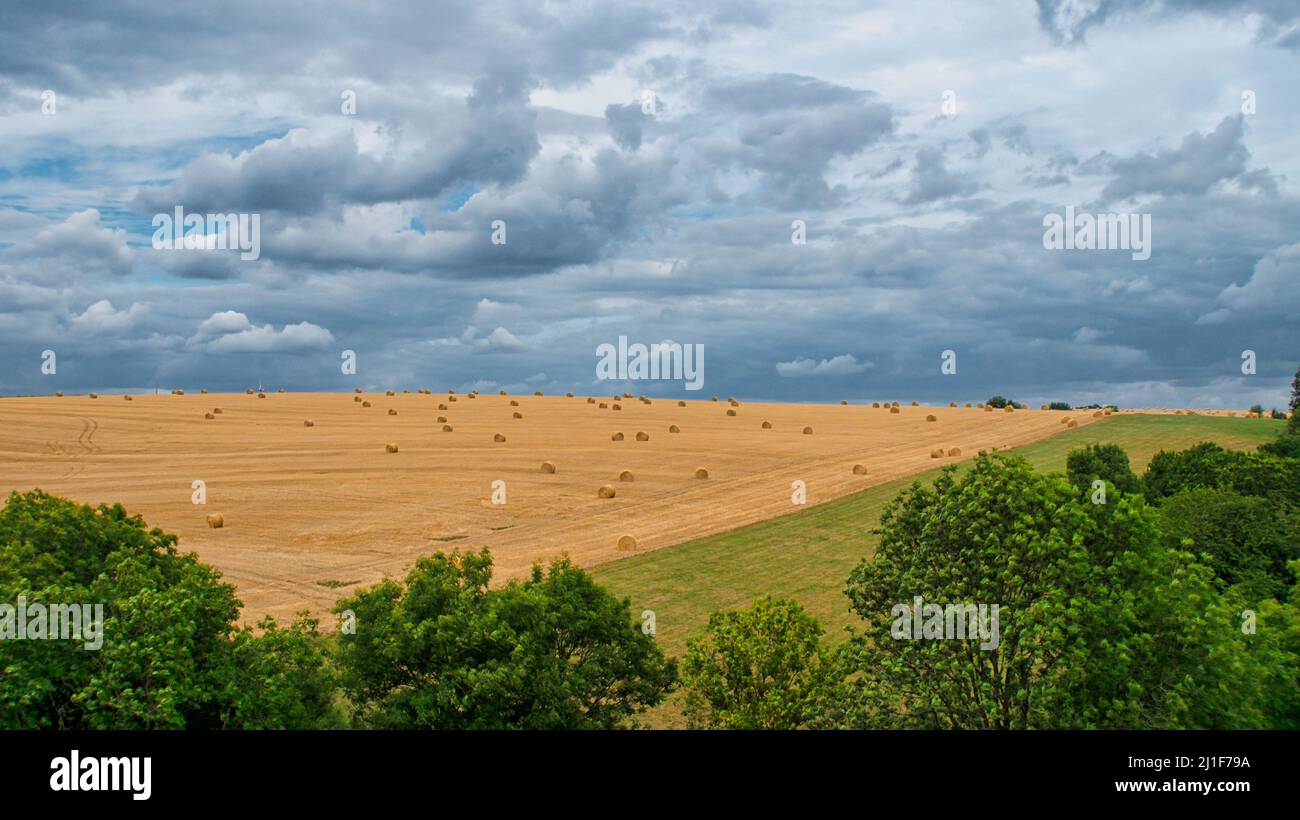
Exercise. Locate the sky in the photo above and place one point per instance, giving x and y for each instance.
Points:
(825, 197)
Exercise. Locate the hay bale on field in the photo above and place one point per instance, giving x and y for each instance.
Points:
(392, 412)
(1045, 407)
(568, 394)
(499, 439)
(895, 409)
(216, 410)
(389, 393)
(502, 393)
(606, 491)
(988, 408)
(626, 475)
(807, 431)
(442, 407)
(859, 469)
(537, 392)
(248, 392)
(517, 414)
(590, 400)
(681, 404)
(617, 407)
(931, 417)
(603, 406)
(261, 395)
(514, 403)
(365, 404)
(1008, 409)
(548, 467)
(442, 419)
(1065, 420)
(875, 404)
(357, 390)
(473, 395)
(1108, 411)
(203, 391)
(446, 428)
(952, 404)
(954, 451)
(673, 428)
(216, 521)
(731, 412)
(626, 542)
(209, 416)
(980, 406)
(308, 423)
(58, 394)
(767, 425)
(843, 403)
(450, 392)
(451, 398)
(968, 404)
(616, 437)
(182, 392)
(1072, 423)
(642, 436)
(1097, 415)
(916, 404)
(356, 399)
(390, 448)
(715, 398)
(128, 398)
(936, 453)
(700, 472)
(94, 395)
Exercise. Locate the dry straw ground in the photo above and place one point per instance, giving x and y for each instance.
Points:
(308, 513)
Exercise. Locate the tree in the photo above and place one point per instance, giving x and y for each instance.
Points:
(1059, 405)
(1099, 624)
(1198, 466)
(760, 668)
(170, 655)
(1246, 540)
(443, 651)
(1108, 462)
(997, 401)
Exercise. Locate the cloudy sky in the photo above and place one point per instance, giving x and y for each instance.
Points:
(648, 162)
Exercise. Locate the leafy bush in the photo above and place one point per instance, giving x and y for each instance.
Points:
(171, 656)
(443, 651)
(1107, 462)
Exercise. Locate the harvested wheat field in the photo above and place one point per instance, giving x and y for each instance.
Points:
(309, 512)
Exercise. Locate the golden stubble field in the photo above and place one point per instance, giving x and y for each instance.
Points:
(311, 512)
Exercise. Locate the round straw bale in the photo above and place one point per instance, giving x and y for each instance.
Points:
(843, 403)
(590, 400)
(128, 398)
(767, 425)
(356, 399)
(807, 431)
(988, 408)
(673, 428)
(618, 407)
(875, 404)
(517, 415)
(357, 390)
(392, 412)
(499, 439)
(446, 428)
(931, 417)
(203, 391)
(606, 491)
(548, 467)
(626, 475)
(261, 395)
(94, 395)
(1072, 423)
(731, 412)
(626, 542)
(389, 393)
(954, 451)
(442, 419)
(568, 394)
(1097, 415)
(1008, 409)
(514, 403)
(895, 409)
(859, 469)
(603, 406)
(537, 392)
(216, 410)
(308, 423)
(915, 404)
(216, 521)
(700, 472)
(208, 416)
(715, 398)
(681, 404)
(616, 437)
(642, 436)
(390, 448)
(58, 394)
(937, 453)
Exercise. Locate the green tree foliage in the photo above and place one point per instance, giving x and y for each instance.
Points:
(443, 651)
(1059, 405)
(1208, 465)
(997, 401)
(1107, 462)
(764, 667)
(170, 654)
(1246, 540)
(1101, 624)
